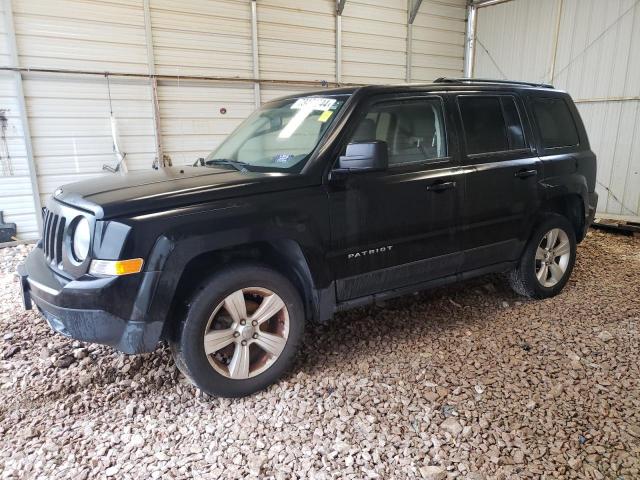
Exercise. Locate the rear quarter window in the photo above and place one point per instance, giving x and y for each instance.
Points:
(555, 122)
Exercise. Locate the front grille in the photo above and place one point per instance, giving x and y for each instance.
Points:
(53, 235)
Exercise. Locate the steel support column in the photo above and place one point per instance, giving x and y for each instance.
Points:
(412, 10)
(13, 53)
(470, 34)
(339, 9)
(255, 53)
(409, 50)
(153, 82)
(470, 41)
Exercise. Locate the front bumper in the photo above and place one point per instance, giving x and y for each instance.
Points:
(90, 309)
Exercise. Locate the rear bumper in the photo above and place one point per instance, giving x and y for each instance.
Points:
(590, 211)
(590, 205)
(79, 308)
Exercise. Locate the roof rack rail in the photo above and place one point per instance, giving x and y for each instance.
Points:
(488, 80)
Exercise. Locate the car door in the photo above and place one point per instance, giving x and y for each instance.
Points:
(500, 183)
(396, 228)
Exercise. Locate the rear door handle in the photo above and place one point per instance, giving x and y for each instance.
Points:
(526, 173)
(441, 186)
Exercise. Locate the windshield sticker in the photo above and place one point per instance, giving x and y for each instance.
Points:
(295, 122)
(313, 103)
(282, 158)
(324, 116)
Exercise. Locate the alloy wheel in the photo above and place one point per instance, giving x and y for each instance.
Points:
(246, 333)
(552, 257)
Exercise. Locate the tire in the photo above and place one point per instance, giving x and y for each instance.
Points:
(524, 279)
(251, 356)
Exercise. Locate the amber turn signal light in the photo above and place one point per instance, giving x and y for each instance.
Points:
(116, 267)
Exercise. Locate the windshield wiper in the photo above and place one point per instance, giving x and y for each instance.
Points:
(240, 166)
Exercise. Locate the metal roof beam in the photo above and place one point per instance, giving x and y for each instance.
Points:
(415, 6)
(487, 3)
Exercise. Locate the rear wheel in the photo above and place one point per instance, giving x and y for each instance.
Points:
(241, 333)
(547, 260)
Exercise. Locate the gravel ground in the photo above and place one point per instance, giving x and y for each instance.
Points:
(467, 382)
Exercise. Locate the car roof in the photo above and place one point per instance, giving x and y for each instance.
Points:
(440, 85)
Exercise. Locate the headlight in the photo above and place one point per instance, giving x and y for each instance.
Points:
(81, 239)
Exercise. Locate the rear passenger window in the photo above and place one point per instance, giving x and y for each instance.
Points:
(491, 124)
(557, 128)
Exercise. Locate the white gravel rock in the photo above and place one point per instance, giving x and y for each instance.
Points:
(433, 473)
(452, 426)
(605, 336)
(444, 384)
(136, 441)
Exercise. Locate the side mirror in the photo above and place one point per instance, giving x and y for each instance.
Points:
(365, 156)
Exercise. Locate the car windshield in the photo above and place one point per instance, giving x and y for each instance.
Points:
(280, 136)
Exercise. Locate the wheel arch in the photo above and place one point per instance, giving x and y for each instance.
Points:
(282, 255)
(571, 206)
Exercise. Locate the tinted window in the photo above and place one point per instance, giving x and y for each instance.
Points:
(556, 124)
(413, 129)
(484, 125)
(491, 124)
(515, 134)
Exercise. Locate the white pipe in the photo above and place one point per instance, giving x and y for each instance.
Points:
(120, 155)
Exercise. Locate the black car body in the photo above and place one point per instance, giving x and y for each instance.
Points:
(343, 235)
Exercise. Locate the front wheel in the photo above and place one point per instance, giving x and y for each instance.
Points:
(241, 333)
(547, 260)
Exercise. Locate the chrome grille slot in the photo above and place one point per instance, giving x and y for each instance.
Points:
(45, 236)
(53, 234)
(57, 247)
(51, 238)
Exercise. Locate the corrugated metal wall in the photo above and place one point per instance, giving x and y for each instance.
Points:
(196, 37)
(374, 41)
(589, 48)
(438, 41)
(69, 115)
(296, 40)
(191, 120)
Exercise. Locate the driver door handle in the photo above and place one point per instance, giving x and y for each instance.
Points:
(441, 186)
(526, 173)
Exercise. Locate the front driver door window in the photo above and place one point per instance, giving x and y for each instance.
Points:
(413, 130)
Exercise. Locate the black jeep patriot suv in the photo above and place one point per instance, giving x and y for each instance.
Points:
(317, 203)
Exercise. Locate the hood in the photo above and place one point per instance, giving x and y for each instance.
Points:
(113, 195)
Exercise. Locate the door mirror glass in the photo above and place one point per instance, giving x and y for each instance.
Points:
(368, 156)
